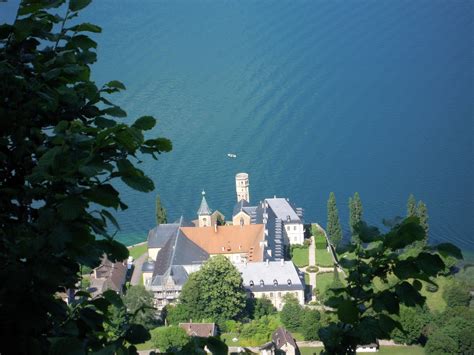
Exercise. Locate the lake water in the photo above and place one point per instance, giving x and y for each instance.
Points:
(312, 96)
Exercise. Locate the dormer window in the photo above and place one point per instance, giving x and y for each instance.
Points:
(262, 283)
(288, 282)
(251, 283)
(275, 282)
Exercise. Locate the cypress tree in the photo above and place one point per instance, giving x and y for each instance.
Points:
(411, 206)
(355, 213)
(160, 212)
(422, 214)
(334, 225)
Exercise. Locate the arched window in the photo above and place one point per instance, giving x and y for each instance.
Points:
(251, 283)
(289, 282)
(262, 283)
(275, 282)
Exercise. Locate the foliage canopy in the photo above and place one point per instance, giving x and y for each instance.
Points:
(62, 144)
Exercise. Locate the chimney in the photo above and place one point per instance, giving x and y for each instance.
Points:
(215, 227)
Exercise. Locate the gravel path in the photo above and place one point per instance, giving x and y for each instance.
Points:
(137, 270)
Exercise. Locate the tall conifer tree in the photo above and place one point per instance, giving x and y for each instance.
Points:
(411, 206)
(334, 225)
(160, 212)
(355, 213)
(422, 214)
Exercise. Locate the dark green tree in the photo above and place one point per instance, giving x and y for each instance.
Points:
(263, 307)
(355, 212)
(214, 292)
(291, 314)
(412, 320)
(411, 206)
(169, 339)
(139, 302)
(62, 144)
(334, 229)
(367, 312)
(456, 294)
(422, 214)
(176, 314)
(311, 324)
(160, 212)
(440, 343)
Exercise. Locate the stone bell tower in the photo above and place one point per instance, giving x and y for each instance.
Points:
(204, 212)
(242, 186)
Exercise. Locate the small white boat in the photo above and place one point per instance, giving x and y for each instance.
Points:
(230, 155)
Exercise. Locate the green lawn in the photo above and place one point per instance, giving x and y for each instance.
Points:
(384, 350)
(323, 258)
(435, 300)
(300, 257)
(138, 250)
(323, 281)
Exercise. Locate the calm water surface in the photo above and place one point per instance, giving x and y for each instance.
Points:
(313, 97)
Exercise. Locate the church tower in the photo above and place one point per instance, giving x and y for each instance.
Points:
(204, 212)
(242, 186)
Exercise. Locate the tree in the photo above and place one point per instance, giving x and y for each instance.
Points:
(292, 313)
(440, 344)
(215, 291)
(412, 321)
(422, 214)
(176, 314)
(411, 206)
(259, 307)
(355, 212)
(456, 294)
(139, 302)
(367, 312)
(61, 146)
(169, 339)
(311, 324)
(334, 225)
(160, 212)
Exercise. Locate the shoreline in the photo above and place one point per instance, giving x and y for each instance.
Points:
(136, 245)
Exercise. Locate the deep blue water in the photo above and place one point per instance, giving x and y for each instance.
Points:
(313, 97)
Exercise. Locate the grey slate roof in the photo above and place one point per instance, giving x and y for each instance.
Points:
(268, 272)
(283, 209)
(158, 236)
(281, 336)
(178, 251)
(204, 207)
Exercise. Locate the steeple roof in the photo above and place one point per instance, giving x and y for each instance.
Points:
(204, 208)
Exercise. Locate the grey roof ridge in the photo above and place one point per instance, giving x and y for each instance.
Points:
(178, 230)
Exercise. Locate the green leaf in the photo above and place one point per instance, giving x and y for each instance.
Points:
(66, 345)
(114, 111)
(113, 298)
(72, 207)
(103, 122)
(115, 84)
(86, 27)
(137, 334)
(161, 144)
(115, 251)
(366, 233)
(139, 183)
(431, 264)
(111, 218)
(347, 312)
(76, 5)
(83, 42)
(386, 301)
(448, 249)
(388, 324)
(105, 195)
(408, 294)
(145, 123)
